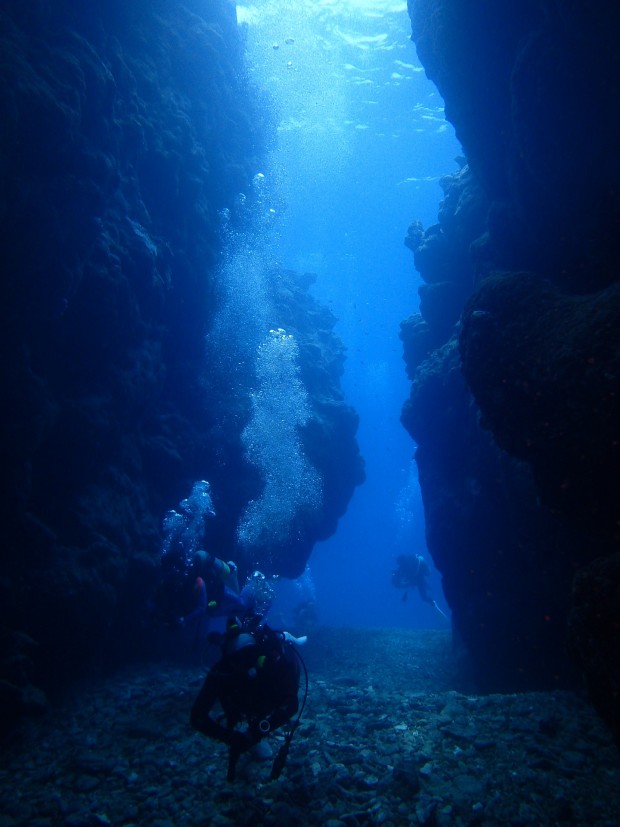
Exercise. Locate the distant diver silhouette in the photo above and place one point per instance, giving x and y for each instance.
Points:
(411, 572)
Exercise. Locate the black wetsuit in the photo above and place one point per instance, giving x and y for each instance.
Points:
(412, 572)
(257, 684)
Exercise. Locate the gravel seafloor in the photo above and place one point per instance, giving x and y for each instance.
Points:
(384, 740)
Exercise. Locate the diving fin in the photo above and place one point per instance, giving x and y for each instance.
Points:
(299, 641)
(443, 614)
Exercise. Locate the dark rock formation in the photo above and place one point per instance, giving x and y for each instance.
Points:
(503, 558)
(544, 368)
(595, 633)
(328, 438)
(532, 92)
(468, 50)
(126, 128)
(442, 257)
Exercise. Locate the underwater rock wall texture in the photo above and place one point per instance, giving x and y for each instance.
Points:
(126, 127)
(532, 91)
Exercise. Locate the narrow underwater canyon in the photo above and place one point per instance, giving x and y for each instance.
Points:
(129, 133)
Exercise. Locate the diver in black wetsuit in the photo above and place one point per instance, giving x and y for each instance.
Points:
(256, 684)
(411, 572)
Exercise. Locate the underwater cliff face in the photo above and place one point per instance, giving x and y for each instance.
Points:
(532, 93)
(127, 129)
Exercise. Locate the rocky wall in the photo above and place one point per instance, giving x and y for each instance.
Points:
(532, 93)
(126, 129)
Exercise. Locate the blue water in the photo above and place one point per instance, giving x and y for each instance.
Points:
(362, 143)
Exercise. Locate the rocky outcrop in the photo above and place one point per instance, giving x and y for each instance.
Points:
(501, 554)
(441, 255)
(532, 94)
(594, 625)
(327, 439)
(127, 128)
(544, 368)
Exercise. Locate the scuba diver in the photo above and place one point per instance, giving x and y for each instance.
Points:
(194, 597)
(411, 572)
(189, 592)
(215, 587)
(193, 583)
(256, 684)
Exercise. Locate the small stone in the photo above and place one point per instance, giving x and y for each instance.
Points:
(482, 744)
(86, 783)
(78, 820)
(573, 759)
(406, 781)
(468, 785)
(425, 812)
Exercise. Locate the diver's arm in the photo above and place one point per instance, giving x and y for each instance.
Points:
(201, 718)
(200, 607)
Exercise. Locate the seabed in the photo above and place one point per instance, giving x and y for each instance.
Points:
(385, 739)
